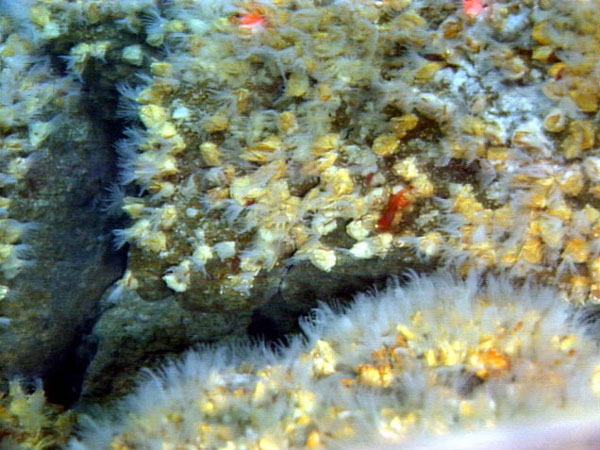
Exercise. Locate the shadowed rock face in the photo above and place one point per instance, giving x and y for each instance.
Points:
(132, 332)
(71, 262)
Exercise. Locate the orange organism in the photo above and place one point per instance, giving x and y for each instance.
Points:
(395, 204)
(472, 8)
(252, 21)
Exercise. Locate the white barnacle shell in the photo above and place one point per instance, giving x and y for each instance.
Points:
(362, 250)
(356, 229)
(244, 189)
(178, 277)
(323, 258)
(38, 132)
(202, 253)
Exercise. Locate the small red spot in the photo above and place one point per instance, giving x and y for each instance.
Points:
(369, 178)
(396, 202)
(252, 21)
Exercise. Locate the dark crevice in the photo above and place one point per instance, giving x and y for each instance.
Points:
(63, 379)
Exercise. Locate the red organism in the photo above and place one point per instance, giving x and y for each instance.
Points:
(252, 21)
(396, 203)
(472, 8)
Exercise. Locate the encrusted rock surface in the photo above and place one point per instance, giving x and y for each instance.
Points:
(272, 154)
(282, 132)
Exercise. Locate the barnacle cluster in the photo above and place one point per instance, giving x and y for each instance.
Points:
(433, 357)
(537, 215)
(27, 421)
(257, 146)
(88, 36)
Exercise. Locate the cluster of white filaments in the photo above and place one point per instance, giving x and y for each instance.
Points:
(433, 357)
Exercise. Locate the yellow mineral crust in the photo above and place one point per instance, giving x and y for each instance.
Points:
(432, 357)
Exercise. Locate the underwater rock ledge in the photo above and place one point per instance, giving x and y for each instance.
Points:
(271, 154)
